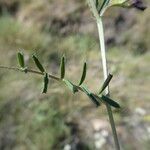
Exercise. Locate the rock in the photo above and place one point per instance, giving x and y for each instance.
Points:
(99, 124)
(140, 111)
(67, 147)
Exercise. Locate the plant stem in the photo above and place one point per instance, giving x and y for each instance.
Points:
(105, 74)
(30, 71)
(38, 73)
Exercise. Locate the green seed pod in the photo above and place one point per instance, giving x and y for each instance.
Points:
(20, 57)
(117, 2)
(106, 83)
(46, 81)
(62, 67)
(110, 101)
(70, 85)
(83, 74)
(38, 64)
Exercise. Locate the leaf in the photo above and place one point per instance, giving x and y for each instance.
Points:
(62, 67)
(117, 2)
(70, 85)
(38, 64)
(106, 83)
(21, 59)
(90, 95)
(110, 101)
(46, 81)
(83, 74)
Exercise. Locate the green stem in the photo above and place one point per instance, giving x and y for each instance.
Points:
(30, 71)
(105, 74)
(38, 73)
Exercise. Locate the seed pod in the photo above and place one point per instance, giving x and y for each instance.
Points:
(62, 67)
(83, 74)
(46, 81)
(38, 64)
(110, 101)
(106, 83)
(20, 57)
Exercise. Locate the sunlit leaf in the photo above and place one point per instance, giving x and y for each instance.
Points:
(117, 2)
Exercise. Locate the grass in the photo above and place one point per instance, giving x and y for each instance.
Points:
(12, 35)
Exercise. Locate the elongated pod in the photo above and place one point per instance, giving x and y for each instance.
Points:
(20, 57)
(38, 63)
(46, 81)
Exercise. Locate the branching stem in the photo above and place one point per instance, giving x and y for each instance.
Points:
(105, 74)
(38, 73)
(30, 71)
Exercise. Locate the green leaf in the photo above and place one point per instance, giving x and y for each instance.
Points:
(110, 101)
(83, 74)
(106, 83)
(46, 81)
(117, 2)
(62, 67)
(70, 85)
(38, 64)
(90, 95)
(121, 3)
(20, 57)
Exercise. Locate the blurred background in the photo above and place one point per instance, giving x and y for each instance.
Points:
(60, 120)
